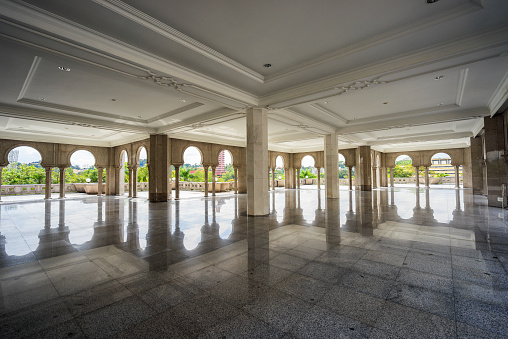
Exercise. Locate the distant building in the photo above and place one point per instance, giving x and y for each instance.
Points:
(222, 164)
(444, 165)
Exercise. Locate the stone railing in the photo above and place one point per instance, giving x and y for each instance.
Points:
(200, 186)
(90, 188)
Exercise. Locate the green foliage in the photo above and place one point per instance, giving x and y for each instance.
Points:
(143, 173)
(404, 162)
(403, 171)
(306, 173)
(24, 174)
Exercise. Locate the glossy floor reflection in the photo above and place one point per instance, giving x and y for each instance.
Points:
(395, 263)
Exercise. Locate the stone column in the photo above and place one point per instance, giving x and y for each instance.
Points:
(350, 176)
(99, 180)
(457, 179)
(273, 179)
(131, 180)
(268, 178)
(213, 181)
(177, 182)
(135, 182)
(417, 176)
(477, 163)
(1, 168)
(374, 177)
(160, 147)
(318, 178)
(496, 163)
(47, 192)
(363, 169)
(331, 166)
(257, 162)
(287, 178)
(62, 181)
(236, 180)
(392, 178)
(298, 177)
(427, 184)
(206, 179)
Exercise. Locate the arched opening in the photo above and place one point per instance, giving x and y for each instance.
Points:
(225, 172)
(123, 173)
(142, 171)
(345, 177)
(308, 171)
(192, 163)
(442, 172)
(403, 172)
(83, 173)
(24, 174)
(280, 174)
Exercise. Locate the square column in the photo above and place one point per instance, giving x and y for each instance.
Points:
(319, 178)
(257, 162)
(158, 168)
(1, 168)
(62, 181)
(177, 182)
(417, 176)
(331, 166)
(350, 177)
(236, 180)
(206, 180)
(47, 192)
(99, 181)
(298, 177)
(457, 179)
(427, 176)
(135, 182)
(392, 180)
(273, 179)
(363, 169)
(213, 181)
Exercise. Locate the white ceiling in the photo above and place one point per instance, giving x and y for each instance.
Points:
(364, 69)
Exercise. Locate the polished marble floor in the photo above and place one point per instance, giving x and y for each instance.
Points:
(397, 263)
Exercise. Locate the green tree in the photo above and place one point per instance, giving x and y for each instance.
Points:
(403, 171)
(143, 174)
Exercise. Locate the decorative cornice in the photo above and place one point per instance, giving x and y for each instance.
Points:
(92, 41)
(499, 96)
(383, 72)
(169, 32)
(378, 39)
(66, 119)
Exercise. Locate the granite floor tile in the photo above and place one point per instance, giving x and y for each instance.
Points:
(279, 309)
(408, 322)
(320, 322)
(353, 304)
(303, 287)
(423, 299)
(114, 318)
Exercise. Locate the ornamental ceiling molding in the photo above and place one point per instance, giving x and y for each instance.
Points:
(418, 25)
(376, 73)
(17, 112)
(171, 33)
(118, 51)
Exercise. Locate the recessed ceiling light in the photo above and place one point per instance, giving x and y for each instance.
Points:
(441, 104)
(439, 77)
(182, 100)
(385, 103)
(267, 65)
(63, 68)
(41, 98)
(326, 102)
(139, 116)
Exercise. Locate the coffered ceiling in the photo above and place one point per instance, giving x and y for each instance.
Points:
(395, 74)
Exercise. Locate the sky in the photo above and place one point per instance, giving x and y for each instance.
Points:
(192, 156)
